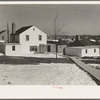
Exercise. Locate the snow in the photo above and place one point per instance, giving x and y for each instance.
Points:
(44, 55)
(92, 40)
(44, 74)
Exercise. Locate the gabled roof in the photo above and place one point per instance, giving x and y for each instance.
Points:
(2, 31)
(83, 42)
(19, 31)
(88, 42)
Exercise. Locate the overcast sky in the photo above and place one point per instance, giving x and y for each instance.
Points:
(77, 19)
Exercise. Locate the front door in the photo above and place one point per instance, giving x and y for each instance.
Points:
(48, 48)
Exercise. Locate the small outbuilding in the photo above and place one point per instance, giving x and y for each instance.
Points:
(82, 51)
(52, 45)
(82, 48)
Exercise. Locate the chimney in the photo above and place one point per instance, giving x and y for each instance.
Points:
(77, 38)
(13, 31)
(13, 28)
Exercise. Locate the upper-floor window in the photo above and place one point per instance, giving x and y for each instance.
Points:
(2, 37)
(27, 37)
(33, 29)
(94, 50)
(40, 37)
(13, 48)
(86, 51)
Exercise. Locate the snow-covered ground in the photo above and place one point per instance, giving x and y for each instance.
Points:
(40, 55)
(44, 74)
(44, 55)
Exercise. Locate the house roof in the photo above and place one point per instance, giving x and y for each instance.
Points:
(85, 47)
(2, 31)
(83, 42)
(10, 43)
(57, 42)
(19, 31)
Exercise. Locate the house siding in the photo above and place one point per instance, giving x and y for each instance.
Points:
(73, 51)
(10, 52)
(2, 48)
(90, 52)
(33, 39)
(81, 52)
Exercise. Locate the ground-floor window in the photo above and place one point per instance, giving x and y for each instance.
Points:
(86, 51)
(13, 48)
(94, 50)
(33, 48)
(48, 48)
(2, 37)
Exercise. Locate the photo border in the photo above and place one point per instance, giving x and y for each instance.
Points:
(68, 92)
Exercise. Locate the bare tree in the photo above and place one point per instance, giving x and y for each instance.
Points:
(57, 29)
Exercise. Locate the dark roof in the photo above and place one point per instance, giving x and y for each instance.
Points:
(61, 42)
(19, 31)
(2, 31)
(58, 42)
(82, 42)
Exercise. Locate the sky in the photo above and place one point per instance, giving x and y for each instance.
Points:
(71, 20)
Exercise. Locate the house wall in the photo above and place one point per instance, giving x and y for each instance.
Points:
(90, 52)
(73, 51)
(4, 34)
(33, 39)
(60, 48)
(2, 48)
(52, 48)
(16, 38)
(10, 52)
(42, 48)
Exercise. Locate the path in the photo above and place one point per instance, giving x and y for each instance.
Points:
(94, 72)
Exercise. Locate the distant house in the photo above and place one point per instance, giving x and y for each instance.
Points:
(26, 40)
(83, 51)
(82, 42)
(3, 36)
(82, 48)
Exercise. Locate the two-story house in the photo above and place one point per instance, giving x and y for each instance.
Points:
(26, 40)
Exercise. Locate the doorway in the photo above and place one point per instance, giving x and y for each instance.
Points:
(48, 48)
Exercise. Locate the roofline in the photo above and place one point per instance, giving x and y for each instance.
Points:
(82, 47)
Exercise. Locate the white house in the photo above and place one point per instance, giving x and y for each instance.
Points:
(26, 40)
(82, 48)
(83, 51)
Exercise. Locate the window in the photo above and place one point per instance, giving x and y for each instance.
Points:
(33, 29)
(2, 37)
(40, 37)
(27, 37)
(94, 50)
(13, 48)
(33, 48)
(86, 51)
